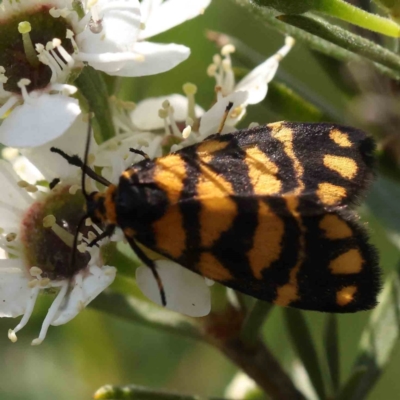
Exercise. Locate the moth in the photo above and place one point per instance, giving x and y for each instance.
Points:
(266, 211)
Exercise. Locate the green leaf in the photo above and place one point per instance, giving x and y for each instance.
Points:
(91, 84)
(304, 345)
(383, 201)
(379, 337)
(345, 39)
(268, 17)
(331, 342)
(254, 321)
(287, 103)
(339, 9)
(141, 393)
(348, 390)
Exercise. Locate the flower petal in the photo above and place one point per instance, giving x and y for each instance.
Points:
(39, 121)
(86, 288)
(145, 115)
(14, 200)
(154, 59)
(256, 82)
(211, 120)
(120, 28)
(185, 291)
(171, 13)
(72, 142)
(14, 290)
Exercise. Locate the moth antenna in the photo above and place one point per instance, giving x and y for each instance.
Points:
(75, 244)
(85, 157)
(224, 117)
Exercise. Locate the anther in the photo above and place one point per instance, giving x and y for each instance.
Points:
(11, 237)
(217, 59)
(12, 336)
(82, 247)
(33, 283)
(35, 271)
(44, 282)
(31, 188)
(22, 184)
(212, 70)
(49, 221)
(73, 189)
(228, 49)
(186, 132)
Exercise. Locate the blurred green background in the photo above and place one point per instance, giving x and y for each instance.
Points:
(95, 348)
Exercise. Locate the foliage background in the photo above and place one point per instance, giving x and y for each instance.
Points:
(97, 348)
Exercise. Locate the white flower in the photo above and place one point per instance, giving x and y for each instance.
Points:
(35, 100)
(159, 16)
(185, 291)
(37, 231)
(252, 89)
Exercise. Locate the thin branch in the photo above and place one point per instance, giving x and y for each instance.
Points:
(260, 364)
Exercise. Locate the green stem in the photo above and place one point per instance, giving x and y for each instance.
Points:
(91, 84)
(141, 393)
(260, 364)
(357, 16)
(254, 321)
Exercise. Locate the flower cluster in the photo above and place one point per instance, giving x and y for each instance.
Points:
(40, 214)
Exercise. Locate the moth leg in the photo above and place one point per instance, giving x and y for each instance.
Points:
(224, 117)
(140, 152)
(106, 233)
(150, 263)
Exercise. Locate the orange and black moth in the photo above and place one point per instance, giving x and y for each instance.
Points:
(265, 211)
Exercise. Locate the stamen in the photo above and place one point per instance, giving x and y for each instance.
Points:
(253, 125)
(28, 312)
(289, 43)
(176, 131)
(24, 28)
(190, 90)
(212, 70)
(162, 113)
(22, 85)
(70, 35)
(51, 313)
(64, 235)
(3, 80)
